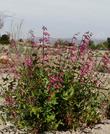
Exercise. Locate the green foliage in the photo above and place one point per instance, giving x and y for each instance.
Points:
(35, 107)
(62, 43)
(108, 42)
(92, 45)
(4, 39)
(21, 40)
(107, 109)
(57, 91)
(100, 46)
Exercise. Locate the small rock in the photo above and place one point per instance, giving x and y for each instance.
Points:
(87, 131)
(98, 126)
(67, 132)
(105, 129)
(48, 133)
(105, 121)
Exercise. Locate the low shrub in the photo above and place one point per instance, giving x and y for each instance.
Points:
(4, 39)
(55, 93)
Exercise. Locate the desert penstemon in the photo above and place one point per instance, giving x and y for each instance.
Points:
(60, 84)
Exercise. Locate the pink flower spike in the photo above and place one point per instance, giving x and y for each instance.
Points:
(46, 39)
(46, 33)
(73, 58)
(28, 62)
(45, 58)
(106, 59)
(86, 68)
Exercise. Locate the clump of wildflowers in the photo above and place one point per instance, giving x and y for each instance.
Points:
(57, 89)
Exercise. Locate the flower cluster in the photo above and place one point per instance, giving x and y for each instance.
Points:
(57, 89)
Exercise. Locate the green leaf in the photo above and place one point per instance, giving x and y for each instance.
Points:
(69, 93)
(50, 118)
(35, 110)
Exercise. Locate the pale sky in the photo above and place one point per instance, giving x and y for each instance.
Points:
(63, 18)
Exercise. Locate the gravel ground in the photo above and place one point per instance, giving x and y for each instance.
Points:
(103, 128)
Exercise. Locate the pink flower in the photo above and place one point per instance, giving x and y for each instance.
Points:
(73, 58)
(106, 59)
(9, 100)
(84, 43)
(87, 68)
(46, 39)
(45, 58)
(46, 33)
(82, 48)
(56, 81)
(28, 62)
(73, 54)
(13, 43)
(53, 79)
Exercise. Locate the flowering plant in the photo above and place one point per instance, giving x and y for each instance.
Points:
(57, 91)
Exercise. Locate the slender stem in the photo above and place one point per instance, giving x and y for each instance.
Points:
(43, 46)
